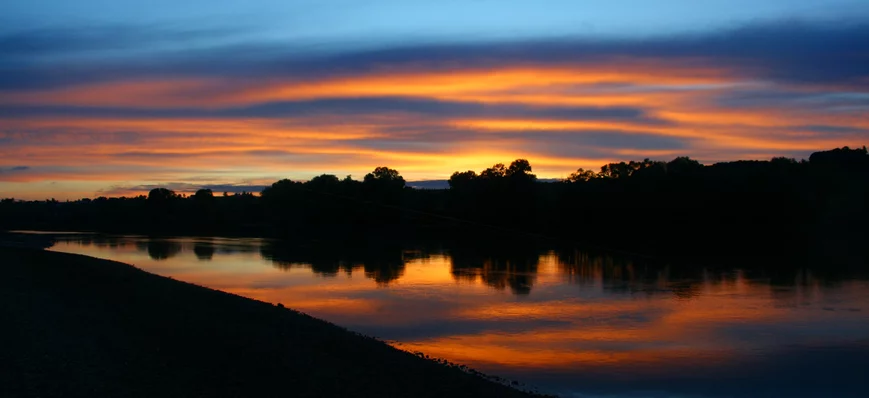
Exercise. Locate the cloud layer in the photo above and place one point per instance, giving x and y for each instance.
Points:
(129, 108)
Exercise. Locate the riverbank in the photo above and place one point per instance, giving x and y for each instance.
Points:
(80, 326)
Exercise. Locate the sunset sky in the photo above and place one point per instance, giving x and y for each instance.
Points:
(110, 98)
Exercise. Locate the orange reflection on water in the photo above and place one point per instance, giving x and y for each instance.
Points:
(564, 312)
(490, 351)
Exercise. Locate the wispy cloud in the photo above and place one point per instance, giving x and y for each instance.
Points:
(133, 121)
(795, 52)
(14, 169)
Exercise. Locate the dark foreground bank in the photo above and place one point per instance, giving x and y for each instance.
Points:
(79, 326)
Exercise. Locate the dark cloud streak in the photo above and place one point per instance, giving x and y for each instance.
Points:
(14, 169)
(353, 107)
(786, 51)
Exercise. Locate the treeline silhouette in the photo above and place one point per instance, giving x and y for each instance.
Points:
(677, 207)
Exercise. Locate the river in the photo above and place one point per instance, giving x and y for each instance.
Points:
(561, 321)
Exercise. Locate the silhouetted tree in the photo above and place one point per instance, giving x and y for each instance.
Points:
(641, 205)
(494, 172)
(841, 161)
(203, 196)
(325, 182)
(161, 195)
(384, 178)
(581, 175)
(783, 161)
(383, 186)
(615, 170)
(683, 165)
(462, 180)
(520, 168)
(162, 208)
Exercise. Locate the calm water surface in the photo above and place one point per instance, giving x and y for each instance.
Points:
(566, 322)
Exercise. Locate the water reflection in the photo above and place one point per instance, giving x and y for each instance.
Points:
(383, 264)
(203, 250)
(160, 249)
(510, 266)
(568, 321)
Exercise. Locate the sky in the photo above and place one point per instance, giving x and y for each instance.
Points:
(112, 98)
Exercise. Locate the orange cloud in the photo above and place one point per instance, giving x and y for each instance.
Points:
(175, 129)
(224, 92)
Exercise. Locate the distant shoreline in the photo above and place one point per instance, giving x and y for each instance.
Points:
(648, 208)
(92, 327)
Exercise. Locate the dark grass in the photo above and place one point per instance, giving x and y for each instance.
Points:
(75, 326)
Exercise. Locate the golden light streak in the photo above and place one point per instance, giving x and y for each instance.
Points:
(678, 101)
(223, 92)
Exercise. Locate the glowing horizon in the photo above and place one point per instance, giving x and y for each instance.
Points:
(87, 112)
